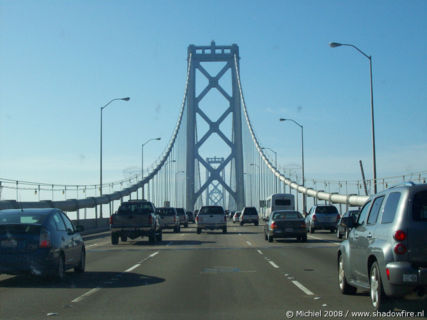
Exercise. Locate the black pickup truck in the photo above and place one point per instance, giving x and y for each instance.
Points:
(133, 219)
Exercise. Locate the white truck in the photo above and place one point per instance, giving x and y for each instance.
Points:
(211, 218)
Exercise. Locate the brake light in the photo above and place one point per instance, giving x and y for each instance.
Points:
(225, 218)
(399, 235)
(400, 249)
(111, 219)
(387, 271)
(338, 217)
(44, 239)
(314, 217)
(273, 225)
(197, 218)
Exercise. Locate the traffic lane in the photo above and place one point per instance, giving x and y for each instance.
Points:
(314, 264)
(44, 296)
(199, 283)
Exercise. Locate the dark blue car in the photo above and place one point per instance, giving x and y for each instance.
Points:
(41, 242)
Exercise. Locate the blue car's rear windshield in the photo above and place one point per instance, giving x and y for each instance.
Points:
(212, 210)
(22, 218)
(327, 210)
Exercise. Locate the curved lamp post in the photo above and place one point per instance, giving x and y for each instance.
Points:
(142, 162)
(374, 160)
(100, 153)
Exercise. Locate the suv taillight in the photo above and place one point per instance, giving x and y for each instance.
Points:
(44, 239)
(197, 218)
(314, 217)
(273, 225)
(111, 219)
(400, 248)
(338, 217)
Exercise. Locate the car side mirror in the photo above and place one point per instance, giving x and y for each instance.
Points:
(80, 228)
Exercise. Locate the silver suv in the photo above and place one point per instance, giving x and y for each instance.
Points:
(386, 250)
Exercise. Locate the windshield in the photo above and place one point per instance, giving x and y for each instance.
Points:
(18, 218)
(118, 114)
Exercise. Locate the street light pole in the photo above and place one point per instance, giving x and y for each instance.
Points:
(142, 162)
(100, 144)
(304, 199)
(374, 158)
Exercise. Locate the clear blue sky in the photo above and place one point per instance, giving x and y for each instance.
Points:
(60, 61)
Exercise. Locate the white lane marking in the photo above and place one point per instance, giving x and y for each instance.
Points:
(91, 245)
(154, 254)
(87, 294)
(249, 243)
(304, 289)
(316, 237)
(133, 268)
(273, 264)
(259, 251)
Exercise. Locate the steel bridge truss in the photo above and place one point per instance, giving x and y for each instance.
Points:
(213, 53)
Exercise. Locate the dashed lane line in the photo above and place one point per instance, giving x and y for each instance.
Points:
(273, 264)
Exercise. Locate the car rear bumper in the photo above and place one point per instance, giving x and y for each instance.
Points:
(288, 234)
(37, 263)
(325, 225)
(211, 226)
(404, 279)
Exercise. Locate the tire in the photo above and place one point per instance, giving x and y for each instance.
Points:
(380, 302)
(186, 225)
(256, 223)
(304, 238)
(224, 230)
(199, 230)
(270, 238)
(344, 287)
(152, 237)
(175, 230)
(311, 229)
(114, 238)
(241, 223)
(265, 236)
(80, 268)
(160, 236)
(332, 230)
(59, 273)
(339, 235)
(123, 238)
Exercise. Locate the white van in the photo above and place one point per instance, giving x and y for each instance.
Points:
(279, 201)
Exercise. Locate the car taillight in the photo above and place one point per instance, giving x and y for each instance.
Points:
(400, 249)
(399, 235)
(273, 225)
(197, 218)
(387, 271)
(314, 217)
(111, 219)
(338, 217)
(44, 239)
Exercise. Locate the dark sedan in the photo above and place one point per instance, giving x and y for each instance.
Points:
(285, 224)
(41, 242)
(342, 229)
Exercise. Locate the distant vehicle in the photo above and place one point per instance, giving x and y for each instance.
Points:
(211, 218)
(342, 229)
(169, 218)
(249, 215)
(386, 250)
(183, 219)
(322, 217)
(285, 224)
(42, 242)
(236, 216)
(190, 216)
(279, 201)
(133, 219)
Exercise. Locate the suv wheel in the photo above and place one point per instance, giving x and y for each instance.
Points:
(311, 229)
(270, 238)
(124, 238)
(80, 268)
(224, 230)
(339, 235)
(199, 230)
(345, 288)
(114, 238)
(378, 298)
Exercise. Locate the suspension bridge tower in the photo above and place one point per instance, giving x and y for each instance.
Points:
(198, 56)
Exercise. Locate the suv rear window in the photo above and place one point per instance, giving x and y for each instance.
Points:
(166, 211)
(282, 202)
(419, 208)
(251, 211)
(327, 210)
(212, 210)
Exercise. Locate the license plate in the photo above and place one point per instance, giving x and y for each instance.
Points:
(289, 230)
(9, 243)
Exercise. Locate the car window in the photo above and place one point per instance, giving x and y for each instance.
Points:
(419, 208)
(136, 208)
(212, 210)
(327, 210)
(250, 211)
(375, 210)
(287, 216)
(60, 226)
(282, 202)
(390, 207)
(363, 213)
(68, 224)
(27, 218)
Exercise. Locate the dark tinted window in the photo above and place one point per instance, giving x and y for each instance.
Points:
(419, 209)
(375, 210)
(68, 224)
(282, 202)
(180, 211)
(363, 213)
(212, 210)
(251, 211)
(295, 215)
(18, 218)
(165, 211)
(327, 209)
(135, 207)
(390, 207)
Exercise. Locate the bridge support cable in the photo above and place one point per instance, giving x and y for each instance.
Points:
(354, 200)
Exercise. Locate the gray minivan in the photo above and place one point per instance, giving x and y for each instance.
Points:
(386, 250)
